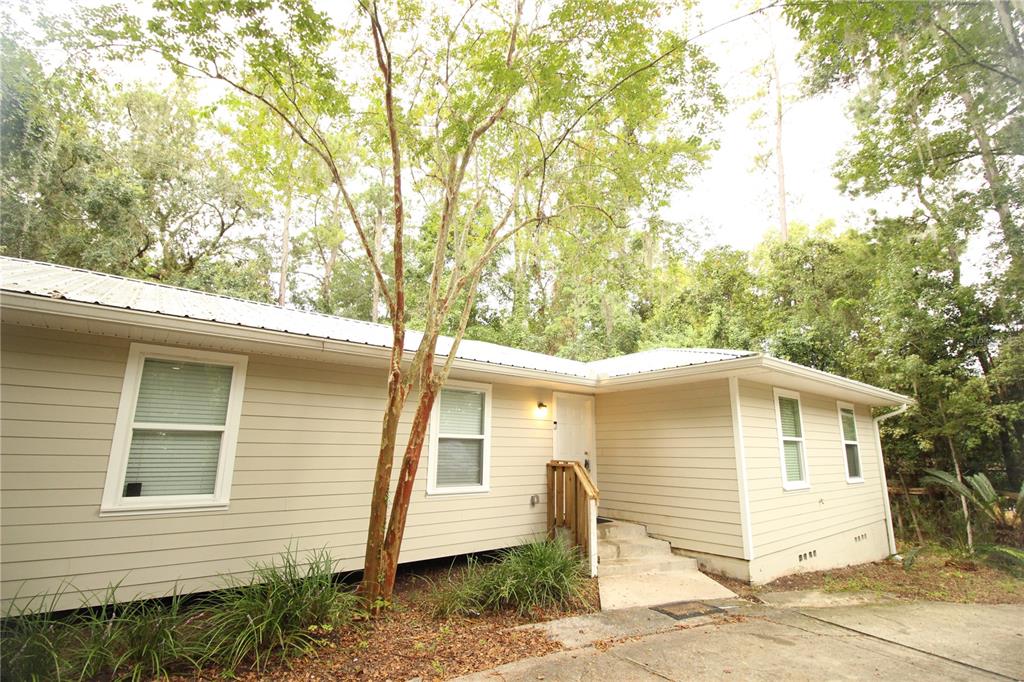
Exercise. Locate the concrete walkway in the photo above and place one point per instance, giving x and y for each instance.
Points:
(916, 641)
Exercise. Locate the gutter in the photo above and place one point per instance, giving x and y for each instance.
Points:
(881, 475)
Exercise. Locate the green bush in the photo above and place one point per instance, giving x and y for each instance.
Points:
(540, 574)
(131, 641)
(284, 609)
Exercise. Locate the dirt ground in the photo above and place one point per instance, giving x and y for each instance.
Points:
(409, 642)
(934, 576)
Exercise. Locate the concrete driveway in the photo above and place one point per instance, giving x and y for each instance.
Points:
(903, 641)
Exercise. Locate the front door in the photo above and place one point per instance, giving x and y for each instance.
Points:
(574, 430)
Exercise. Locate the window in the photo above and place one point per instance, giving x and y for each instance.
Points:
(460, 439)
(177, 426)
(851, 449)
(791, 440)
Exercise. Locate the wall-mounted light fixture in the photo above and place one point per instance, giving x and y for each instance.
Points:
(542, 410)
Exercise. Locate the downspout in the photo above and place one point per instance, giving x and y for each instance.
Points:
(881, 475)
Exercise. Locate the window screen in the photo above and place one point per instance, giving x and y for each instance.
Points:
(460, 444)
(850, 446)
(177, 430)
(792, 440)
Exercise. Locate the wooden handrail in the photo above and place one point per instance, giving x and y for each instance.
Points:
(572, 505)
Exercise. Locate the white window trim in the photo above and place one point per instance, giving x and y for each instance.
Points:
(786, 483)
(436, 435)
(840, 406)
(113, 503)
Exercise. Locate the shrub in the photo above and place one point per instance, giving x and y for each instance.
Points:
(135, 640)
(33, 642)
(282, 609)
(541, 574)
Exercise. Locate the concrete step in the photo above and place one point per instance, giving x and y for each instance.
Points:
(619, 530)
(658, 564)
(629, 548)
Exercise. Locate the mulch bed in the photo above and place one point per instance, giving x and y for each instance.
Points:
(935, 576)
(408, 641)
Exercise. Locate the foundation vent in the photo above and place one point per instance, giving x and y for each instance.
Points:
(808, 555)
(861, 538)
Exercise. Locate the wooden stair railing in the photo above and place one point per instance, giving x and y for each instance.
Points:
(572, 505)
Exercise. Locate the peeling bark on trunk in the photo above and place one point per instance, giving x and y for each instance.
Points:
(373, 569)
(406, 478)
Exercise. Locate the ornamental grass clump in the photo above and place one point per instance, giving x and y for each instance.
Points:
(284, 610)
(541, 574)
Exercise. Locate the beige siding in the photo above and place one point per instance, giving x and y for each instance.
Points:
(787, 523)
(303, 471)
(665, 458)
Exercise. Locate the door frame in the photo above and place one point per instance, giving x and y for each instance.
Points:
(592, 453)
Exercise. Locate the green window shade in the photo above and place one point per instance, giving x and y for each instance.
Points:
(462, 413)
(789, 413)
(849, 424)
(853, 460)
(173, 392)
(460, 462)
(172, 463)
(794, 463)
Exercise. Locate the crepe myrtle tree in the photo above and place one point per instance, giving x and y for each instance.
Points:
(488, 114)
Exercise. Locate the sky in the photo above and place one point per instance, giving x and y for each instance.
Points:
(733, 203)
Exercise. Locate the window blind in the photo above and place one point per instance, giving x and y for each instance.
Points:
(177, 460)
(460, 462)
(789, 413)
(794, 462)
(174, 392)
(172, 463)
(460, 445)
(462, 413)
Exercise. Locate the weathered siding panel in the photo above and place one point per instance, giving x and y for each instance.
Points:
(786, 523)
(666, 459)
(303, 474)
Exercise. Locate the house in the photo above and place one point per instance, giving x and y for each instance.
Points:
(158, 438)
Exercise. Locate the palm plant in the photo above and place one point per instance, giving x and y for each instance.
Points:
(1005, 513)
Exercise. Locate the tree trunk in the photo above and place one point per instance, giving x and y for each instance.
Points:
(332, 261)
(1013, 41)
(406, 478)
(780, 165)
(286, 224)
(373, 573)
(378, 241)
(910, 509)
(1011, 233)
(963, 500)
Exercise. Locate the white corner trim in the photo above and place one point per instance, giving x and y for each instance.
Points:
(741, 469)
(435, 434)
(805, 484)
(113, 503)
(881, 474)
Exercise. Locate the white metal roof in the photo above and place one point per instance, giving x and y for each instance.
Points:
(85, 286)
